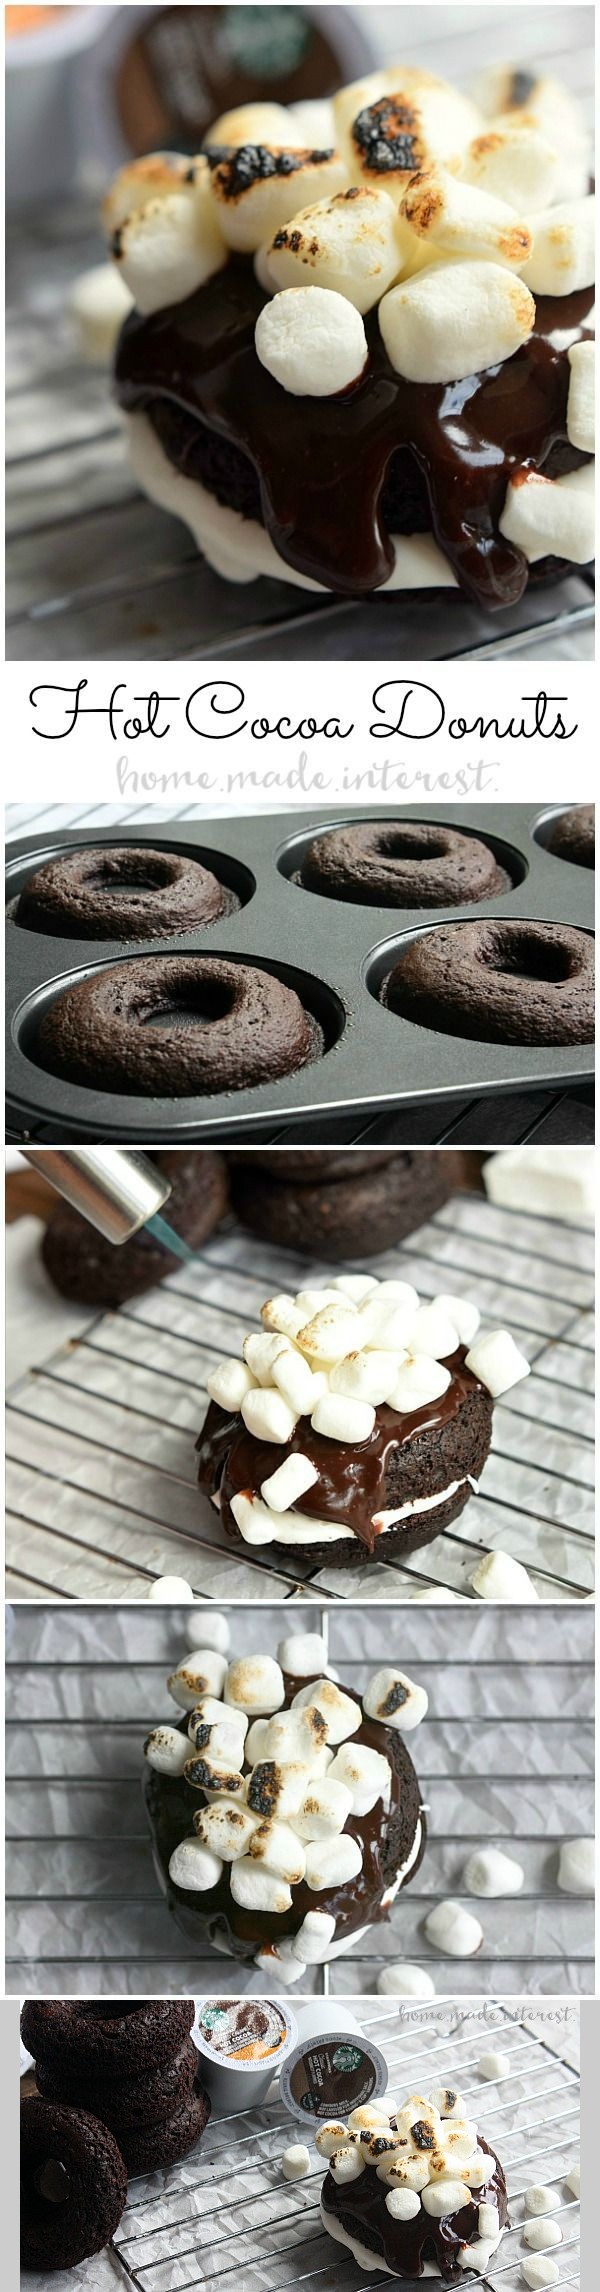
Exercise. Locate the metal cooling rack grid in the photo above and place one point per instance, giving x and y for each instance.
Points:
(272, 2228)
(504, 1754)
(102, 1491)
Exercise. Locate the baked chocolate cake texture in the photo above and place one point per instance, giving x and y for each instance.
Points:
(285, 1811)
(368, 366)
(132, 2067)
(414, 2190)
(356, 1424)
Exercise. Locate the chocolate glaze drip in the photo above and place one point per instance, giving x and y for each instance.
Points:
(406, 2244)
(352, 1482)
(322, 463)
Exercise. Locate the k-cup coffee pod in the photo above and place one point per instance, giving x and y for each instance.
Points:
(332, 2071)
(243, 2042)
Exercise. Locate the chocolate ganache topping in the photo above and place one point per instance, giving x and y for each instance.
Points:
(406, 2245)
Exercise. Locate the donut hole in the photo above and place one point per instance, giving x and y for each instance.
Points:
(52, 2181)
(529, 957)
(402, 864)
(407, 844)
(110, 875)
(198, 1006)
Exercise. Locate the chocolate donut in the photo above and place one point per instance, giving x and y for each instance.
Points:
(347, 1217)
(358, 2216)
(146, 2148)
(113, 891)
(498, 981)
(175, 1026)
(572, 836)
(129, 2104)
(106, 2042)
(73, 2185)
(86, 1267)
(402, 863)
(306, 1163)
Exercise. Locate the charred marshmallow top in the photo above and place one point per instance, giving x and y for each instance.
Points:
(422, 2162)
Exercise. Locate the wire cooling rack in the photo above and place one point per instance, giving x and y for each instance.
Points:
(102, 1493)
(505, 1754)
(96, 572)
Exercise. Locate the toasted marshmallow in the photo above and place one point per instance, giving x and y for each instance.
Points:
(342, 1713)
(167, 1750)
(395, 1701)
(458, 2141)
(276, 1844)
(346, 2164)
(396, 121)
(445, 2196)
(448, 2102)
(329, 1333)
(299, 1737)
(540, 2234)
(168, 249)
(267, 1416)
(551, 516)
(332, 1861)
(563, 258)
(255, 1741)
(493, 2066)
(577, 1866)
(455, 320)
(200, 1673)
(277, 1790)
(475, 2172)
(206, 1774)
(402, 2170)
(349, 244)
(363, 1772)
(250, 122)
(538, 2273)
(140, 183)
(311, 1943)
(539, 2199)
(453, 1930)
(295, 2162)
(452, 217)
(404, 1981)
(464, 1316)
(365, 1376)
(367, 2117)
(323, 1810)
(403, 2204)
(229, 1384)
(258, 187)
(499, 1577)
(304, 1654)
(254, 1683)
(220, 1741)
(226, 1828)
(195, 1867)
(490, 1873)
(513, 161)
(207, 1713)
(282, 1314)
(261, 1351)
(331, 2136)
(339, 1419)
(420, 1380)
(581, 424)
(99, 303)
(496, 1360)
(312, 342)
(256, 1887)
(522, 94)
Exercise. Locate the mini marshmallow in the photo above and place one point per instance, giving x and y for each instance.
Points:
(342, 1713)
(581, 404)
(299, 1736)
(499, 1577)
(445, 2196)
(487, 2222)
(364, 1772)
(259, 187)
(513, 161)
(281, 1313)
(453, 1930)
(304, 1653)
(207, 1628)
(267, 1416)
(312, 341)
(313, 1301)
(311, 1943)
(539, 2272)
(255, 1741)
(295, 2162)
(207, 1713)
(356, 1286)
(404, 2171)
(332, 1861)
(331, 2137)
(381, 2145)
(276, 1844)
(404, 1981)
(325, 1808)
(300, 1385)
(221, 1742)
(420, 1379)
(290, 1481)
(493, 2066)
(397, 120)
(167, 1750)
(448, 2102)
(330, 1333)
(496, 1360)
(141, 181)
(346, 2164)
(98, 304)
(195, 1867)
(452, 217)
(458, 2137)
(256, 1887)
(261, 1351)
(541, 2234)
(563, 248)
(475, 2171)
(277, 1790)
(366, 1376)
(386, 1320)
(200, 1673)
(229, 1384)
(539, 2200)
(573, 2181)
(171, 1591)
(249, 122)
(171, 247)
(476, 2255)
(254, 1683)
(577, 1866)
(464, 1316)
(454, 320)
(347, 1421)
(349, 244)
(491, 1873)
(395, 1701)
(403, 2204)
(226, 1828)
(206, 1774)
(551, 516)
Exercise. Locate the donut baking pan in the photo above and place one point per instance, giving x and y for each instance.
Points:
(334, 954)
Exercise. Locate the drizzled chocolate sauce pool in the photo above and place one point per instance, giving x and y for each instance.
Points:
(322, 463)
(406, 2244)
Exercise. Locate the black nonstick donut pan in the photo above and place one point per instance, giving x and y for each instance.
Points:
(334, 954)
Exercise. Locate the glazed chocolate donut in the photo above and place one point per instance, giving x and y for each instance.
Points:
(505, 982)
(572, 836)
(73, 2185)
(130, 2103)
(86, 1267)
(175, 1026)
(145, 2148)
(113, 891)
(106, 2041)
(345, 1217)
(402, 863)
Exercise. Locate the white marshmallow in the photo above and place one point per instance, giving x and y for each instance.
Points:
(311, 1943)
(419, 1381)
(281, 1313)
(342, 1714)
(539, 2200)
(339, 1419)
(167, 1750)
(577, 1866)
(200, 1673)
(312, 341)
(454, 320)
(346, 2165)
(98, 304)
(254, 1683)
(356, 1286)
(301, 1386)
(255, 1741)
(386, 1321)
(448, 2102)
(493, 2066)
(404, 1981)
(367, 1376)
(444, 2196)
(207, 1628)
(539, 2272)
(499, 1577)
(487, 2222)
(367, 2117)
(581, 406)
(573, 2181)
(221, 1741)
(476, 2255)
(195, 1867)
(171, 247)
(229, 1384)
(276, 1845)
(208, 1712)
(332, 1861)
(331, 2136)
(497, 1362)
(139, 182)
(267, 1416)
(290, 1481)
(295, 2162)
(563, 255)
(226, 1828)
(403, 2171)
(313, 1301)
(551, 516)
(250, 123)
(330, 1333)
(364, 1772)
(304, 1653)
(453, 1930)
(257, 1888)
(490, 1873)
(298, 1736)
(464, 1316)
(258, 189)
(541, 2234)
(475, 2172)
(261, 1351)
(448, 216)
(514, 161)
(403, 2204)
(398, 119)
(349, 243)
(325, 1808)
(395, 1701)
(278, 1790)
(171, 1591)
(314, 120)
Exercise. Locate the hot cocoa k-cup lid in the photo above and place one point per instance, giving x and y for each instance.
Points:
(245, 2034)
(332, 2073)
